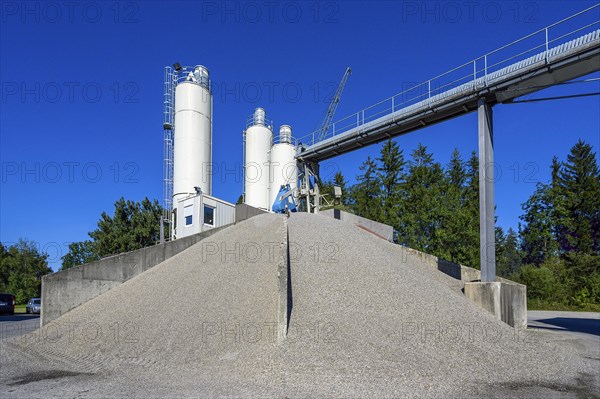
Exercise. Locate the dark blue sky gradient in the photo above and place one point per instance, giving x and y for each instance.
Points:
(82, 92)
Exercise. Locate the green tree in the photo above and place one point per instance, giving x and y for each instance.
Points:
(577, 194)
(508, 254)
(366, 193)
(134, 225)
(21, 269)
(537, 233)
(454, 235)
(390, 174)
(560, 235)
(547, 282)
(584, 270)
(456, 172)
(4, 267)
(471, 208)
(80, 252)
(421, 215)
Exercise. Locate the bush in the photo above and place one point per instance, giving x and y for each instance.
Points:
(547, 283)
(589, 294)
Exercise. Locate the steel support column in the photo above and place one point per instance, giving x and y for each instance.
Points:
(487, 236)
(162, 230)
(317, 187)
(305, 186)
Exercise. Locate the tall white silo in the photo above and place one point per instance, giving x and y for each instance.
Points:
(192, 143)
(258, 140)
(284, 169)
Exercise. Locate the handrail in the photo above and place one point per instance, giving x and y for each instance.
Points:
(474, 75)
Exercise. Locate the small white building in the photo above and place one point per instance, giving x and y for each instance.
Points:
(201, 212)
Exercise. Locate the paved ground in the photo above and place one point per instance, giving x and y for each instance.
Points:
(580, 329)
(18, 325)
(367, 320)
(577, 330)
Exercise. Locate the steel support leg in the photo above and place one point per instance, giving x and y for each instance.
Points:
(306, 185)
(315, 167)
(487, 240)
(162, 230)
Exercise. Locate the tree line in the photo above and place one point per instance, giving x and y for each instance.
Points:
(434, 208)
(132, 226)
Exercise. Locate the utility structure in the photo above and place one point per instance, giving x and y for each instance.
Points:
(269, 162)
(311, 169)
(189, 206)
(553, 55)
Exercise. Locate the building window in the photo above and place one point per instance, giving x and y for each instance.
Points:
(209, 215)
(188, 220)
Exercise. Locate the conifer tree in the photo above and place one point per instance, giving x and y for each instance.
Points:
(391, 176)
(366, 193)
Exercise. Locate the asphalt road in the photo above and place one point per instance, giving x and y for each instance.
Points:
(581, 330)
(18, 325)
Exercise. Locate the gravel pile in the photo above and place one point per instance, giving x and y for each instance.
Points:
(393, 325)
(367, 319)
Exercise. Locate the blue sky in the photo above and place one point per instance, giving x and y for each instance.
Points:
(81, 100)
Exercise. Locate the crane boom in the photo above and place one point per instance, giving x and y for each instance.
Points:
(322, 132)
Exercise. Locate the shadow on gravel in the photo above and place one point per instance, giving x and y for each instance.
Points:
(587, 326)
(18, 317)
(44, 375)
(583, 387)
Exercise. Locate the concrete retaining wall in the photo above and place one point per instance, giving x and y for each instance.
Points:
(510, 305)
(65, 290)
(486, 295)
(243, 212)
(383, 230)
(513, 303)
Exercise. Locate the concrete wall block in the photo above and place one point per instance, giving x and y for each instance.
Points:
(469, 274)
(131, 263)
(175, 247)
(513, 298)
(486, 295)
(64, 295)
(154, 256)
(422, 256)
(383, 230)
(243, 212)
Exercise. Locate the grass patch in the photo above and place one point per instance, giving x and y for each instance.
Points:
(20, 308)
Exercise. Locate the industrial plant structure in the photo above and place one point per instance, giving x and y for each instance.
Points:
(268, 163)
(189, 205)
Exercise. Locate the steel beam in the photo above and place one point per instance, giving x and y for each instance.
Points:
(573, 63)
(487, 237)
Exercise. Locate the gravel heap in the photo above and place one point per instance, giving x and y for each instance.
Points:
(367, 319)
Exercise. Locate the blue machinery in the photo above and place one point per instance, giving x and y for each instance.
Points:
(284, 203)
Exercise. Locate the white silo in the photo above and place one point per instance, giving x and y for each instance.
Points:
(192, 143)
(258, 138)
(284, 169)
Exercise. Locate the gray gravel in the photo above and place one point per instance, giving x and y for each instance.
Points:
(367, 319)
